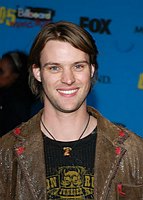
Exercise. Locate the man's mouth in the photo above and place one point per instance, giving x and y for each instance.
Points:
(67, 91)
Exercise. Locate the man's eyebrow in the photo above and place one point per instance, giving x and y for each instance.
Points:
(50, 63)
(75, 63)
(82, 61)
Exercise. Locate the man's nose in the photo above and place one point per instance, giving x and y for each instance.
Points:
(68, 76)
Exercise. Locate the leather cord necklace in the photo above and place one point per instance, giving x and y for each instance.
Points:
(67, 150)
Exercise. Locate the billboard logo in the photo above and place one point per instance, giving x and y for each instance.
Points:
(35, 13)
(37, 16)
(140, 82)
(96, 25)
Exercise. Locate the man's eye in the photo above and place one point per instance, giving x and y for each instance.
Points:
(79, 67)
(54, 68)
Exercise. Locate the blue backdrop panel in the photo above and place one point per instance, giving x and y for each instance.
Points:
(118, 31)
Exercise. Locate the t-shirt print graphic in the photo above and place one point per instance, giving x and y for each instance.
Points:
(71, 182)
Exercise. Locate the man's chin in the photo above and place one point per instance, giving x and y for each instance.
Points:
(68, 109)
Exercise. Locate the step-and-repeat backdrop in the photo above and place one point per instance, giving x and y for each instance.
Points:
(117, 27)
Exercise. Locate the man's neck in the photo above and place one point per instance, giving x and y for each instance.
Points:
(66, 126)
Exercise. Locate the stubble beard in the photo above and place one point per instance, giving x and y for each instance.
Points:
(60, 108)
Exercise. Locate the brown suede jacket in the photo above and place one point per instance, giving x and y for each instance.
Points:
(118, 162)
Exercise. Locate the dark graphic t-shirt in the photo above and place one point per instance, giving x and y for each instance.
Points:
(70, 177)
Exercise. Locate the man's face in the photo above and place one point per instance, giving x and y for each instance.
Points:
(65, 75)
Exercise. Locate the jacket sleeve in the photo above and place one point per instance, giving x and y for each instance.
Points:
(6, 158)
(2, 191)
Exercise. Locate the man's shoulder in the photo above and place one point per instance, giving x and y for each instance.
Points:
(134, 141)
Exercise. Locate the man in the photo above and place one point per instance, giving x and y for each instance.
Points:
(68, 150)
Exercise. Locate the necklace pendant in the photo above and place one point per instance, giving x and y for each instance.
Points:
(67, 151)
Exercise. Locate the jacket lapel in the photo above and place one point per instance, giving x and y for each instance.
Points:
(107, 161)
(109, 153)
(29, 151)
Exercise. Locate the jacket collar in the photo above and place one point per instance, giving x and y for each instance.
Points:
(109, 153)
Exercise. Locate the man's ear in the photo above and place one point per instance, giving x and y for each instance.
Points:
(92, 70)
(36, 72)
